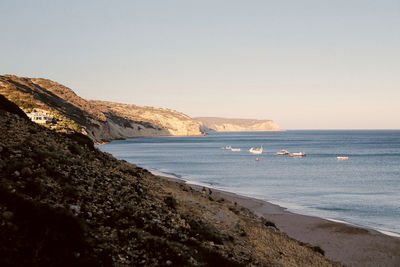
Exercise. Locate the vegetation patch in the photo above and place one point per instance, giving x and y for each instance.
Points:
(268, 223)
(170, 201)
(313, 247)
(204, 231)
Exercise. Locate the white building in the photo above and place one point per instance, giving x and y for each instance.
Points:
(39, 117)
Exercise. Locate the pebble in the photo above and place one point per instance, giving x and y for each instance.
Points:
(168, 262)
(75, 209)
(17, 173)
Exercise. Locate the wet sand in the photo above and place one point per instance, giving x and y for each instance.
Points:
(350, 245)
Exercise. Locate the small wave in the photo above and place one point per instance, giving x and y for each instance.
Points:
(334, 209)
(198, 183)
(338, 221)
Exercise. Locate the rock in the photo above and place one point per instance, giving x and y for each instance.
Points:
(17, 173)
(168, 262)
(26, 171)
(75, 209)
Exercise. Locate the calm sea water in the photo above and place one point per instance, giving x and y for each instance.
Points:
(364, 190)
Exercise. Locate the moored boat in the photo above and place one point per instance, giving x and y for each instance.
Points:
(226, 148)
(297, 154)
(283, 152)
(256, 150)
(342, 158)
(235, 149)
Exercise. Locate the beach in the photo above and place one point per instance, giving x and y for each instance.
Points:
(344, 243)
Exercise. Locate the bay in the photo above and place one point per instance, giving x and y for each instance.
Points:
(364, 190)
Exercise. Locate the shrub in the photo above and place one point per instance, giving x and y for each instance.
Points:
(75, 149)
(318, 249)
(312, 247)
(268, 223)
(170, 201)
(204, 231)
(234, 210)
(82, 140)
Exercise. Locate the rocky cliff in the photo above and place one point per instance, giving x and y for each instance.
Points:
(101, 121)
(175, 122)
(236, 125)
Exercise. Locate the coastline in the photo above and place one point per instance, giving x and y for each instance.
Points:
(349, 244)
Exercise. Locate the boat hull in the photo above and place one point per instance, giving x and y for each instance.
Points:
(298, 154)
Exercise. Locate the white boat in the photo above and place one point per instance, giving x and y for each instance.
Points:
(226, 148)
(342, 158)
(256, 150)
(297, 154)
(235, 149)
(283, 152)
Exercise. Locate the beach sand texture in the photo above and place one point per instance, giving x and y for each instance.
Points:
(350, 245)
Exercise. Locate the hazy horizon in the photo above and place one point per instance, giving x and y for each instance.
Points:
(304, 64)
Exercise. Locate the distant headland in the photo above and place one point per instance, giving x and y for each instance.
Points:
(236, 125)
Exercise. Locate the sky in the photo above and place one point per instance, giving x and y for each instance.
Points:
(304, 64)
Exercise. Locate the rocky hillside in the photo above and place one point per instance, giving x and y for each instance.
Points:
(236, 125)
(65, 203)
(101, 121)
(177, 123)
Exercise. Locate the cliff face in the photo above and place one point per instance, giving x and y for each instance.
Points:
(175, 122)
(101, 121)
(236, 125)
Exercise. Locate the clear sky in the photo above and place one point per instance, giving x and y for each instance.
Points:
(305, 64)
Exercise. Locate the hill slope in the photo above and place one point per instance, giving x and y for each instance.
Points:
(101, 121)
(65, 203)
(236, 125)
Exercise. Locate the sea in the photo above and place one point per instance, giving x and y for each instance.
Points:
(363, 190)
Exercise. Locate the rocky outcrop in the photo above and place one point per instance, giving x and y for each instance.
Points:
(101, 121)
(236, 125)
(175, 122)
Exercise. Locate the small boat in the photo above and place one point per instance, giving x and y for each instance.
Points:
(297, 154)
(226, 148)
(342, 158)
(283, 152)
(235, 149)
(256, 150)
(257, 159)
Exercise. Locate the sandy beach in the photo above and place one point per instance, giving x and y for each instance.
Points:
(348, 244)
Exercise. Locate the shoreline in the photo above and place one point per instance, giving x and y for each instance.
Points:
(347, 243)
(193, 184)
